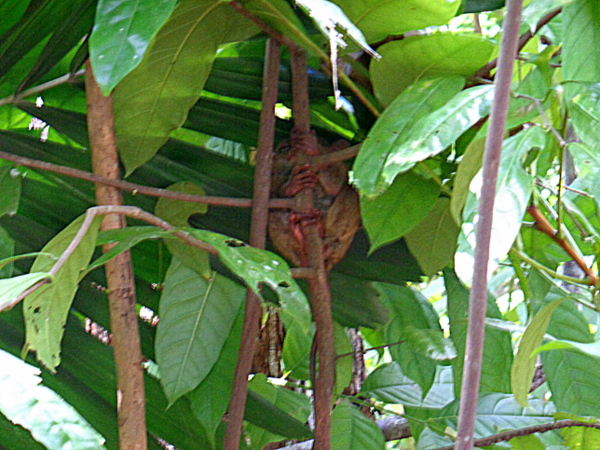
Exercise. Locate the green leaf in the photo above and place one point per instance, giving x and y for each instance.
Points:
(399, 209)
(124, 239)
(580, 437)
(256, 266)
(592, 349)
(11, 287)
(573, 381)
(10, 189)
(467, 169)
(50, 419)
(433, 241)
(7, 249)
(388, 384)
(580, 63)
(523, 367)
(378, 19)
(278, 411)
(196, 316)
(390, 131)
(177, 213)
(410, 309)
(426, 56)
(210, 399)
(351, 430)
(513, 190)
(343, 365)
(155, 98)
(122, 33)
(430, 343)
(530, 442)
(47, 308)
(497, 350)
(433, 133)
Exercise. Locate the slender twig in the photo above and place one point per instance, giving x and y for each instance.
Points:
(478, 294)
(68, 78)
(273, 33)
(378, 347)
(526, 431)
(138, 188)
(542, 224)
(258, 236)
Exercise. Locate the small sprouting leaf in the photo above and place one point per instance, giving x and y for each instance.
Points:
(430, 343)
(50, 419)
(196, 316)
(122, 33)
(513, 190)
(523, 367)
(47, 308)
(394, 125)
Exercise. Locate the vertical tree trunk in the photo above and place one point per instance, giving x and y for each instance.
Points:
(131, 400)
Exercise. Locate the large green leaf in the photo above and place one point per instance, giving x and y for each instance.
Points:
(497, 350)
(433, 133)
(399, 209)
(51, 420)
(394, 125)
(10, 190)
(210, 399)
(581, 63)
(256, 266)
(411, 309)
(388, 384)
(378, 19)
(352, 430)
(294, 405)
(513, 190)
(47, 308)
(12, 287)
(433, 240)
(121, 35)
(523, 367)
(155, 98)
(425, 56)
(196, 316)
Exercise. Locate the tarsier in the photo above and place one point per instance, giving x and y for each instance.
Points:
(336, 206)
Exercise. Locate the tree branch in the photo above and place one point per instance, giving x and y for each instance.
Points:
(258, 237)
(131, 396)
(478, 294)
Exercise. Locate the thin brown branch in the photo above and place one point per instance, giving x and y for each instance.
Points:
(318, 285)
(138, 188)
(378, 347)
(68, 78)
(131, 404)
(258, 237)
(542, 224)
(485, 71)
(478, 294)
(526, 431)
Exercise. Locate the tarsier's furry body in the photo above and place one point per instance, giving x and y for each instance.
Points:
(335, 202)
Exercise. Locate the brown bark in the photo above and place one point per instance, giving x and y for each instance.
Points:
(319, 284)
(258, 236)
(131, 400)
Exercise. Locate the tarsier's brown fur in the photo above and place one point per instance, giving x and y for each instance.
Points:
(335, 201)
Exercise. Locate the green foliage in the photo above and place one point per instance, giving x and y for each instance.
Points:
(193, 70)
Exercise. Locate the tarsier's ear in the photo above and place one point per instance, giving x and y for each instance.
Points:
(340, 144)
